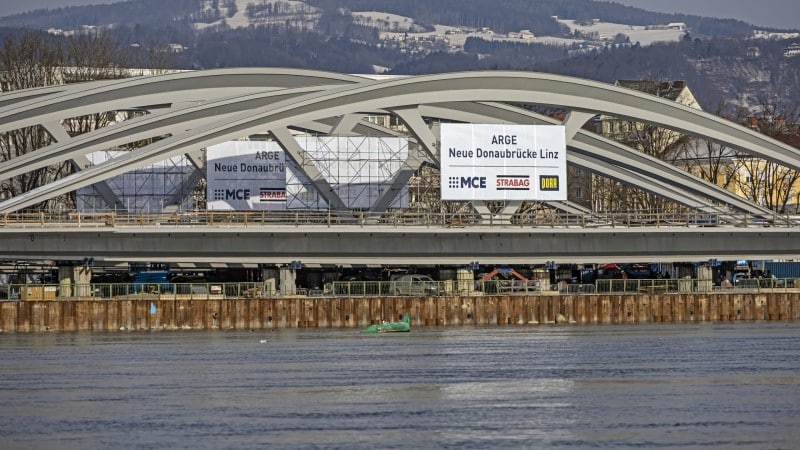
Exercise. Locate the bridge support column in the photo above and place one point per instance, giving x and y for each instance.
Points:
(704, 279)
(542, 276)
(288, 276)
(65, 281)
(465, 282)
(74, 281)
(270, 276)
(83, 278)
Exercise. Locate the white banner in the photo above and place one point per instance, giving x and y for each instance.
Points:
(503, 162)
(245, 176)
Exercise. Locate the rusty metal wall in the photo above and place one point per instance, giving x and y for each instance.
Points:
(310, 312)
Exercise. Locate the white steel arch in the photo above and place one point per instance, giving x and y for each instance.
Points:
(198, 109)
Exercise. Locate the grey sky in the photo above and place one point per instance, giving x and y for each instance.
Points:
(772, 13)
(9, 7)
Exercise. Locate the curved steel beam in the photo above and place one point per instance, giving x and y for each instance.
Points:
(62, 102)
(145, 127)
(511, 87)
(595, 146)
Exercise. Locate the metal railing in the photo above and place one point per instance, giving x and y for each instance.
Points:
(134, 291)
(434, 288)
(215, 291)
(210, 291)
(397, 218)
(687, 285)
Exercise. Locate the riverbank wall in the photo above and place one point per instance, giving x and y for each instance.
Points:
(326, 312)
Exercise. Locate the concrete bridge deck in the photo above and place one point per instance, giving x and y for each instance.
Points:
(359, 238)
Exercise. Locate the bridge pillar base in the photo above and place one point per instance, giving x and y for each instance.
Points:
(288, 278)
(74, 281)
(465, 282)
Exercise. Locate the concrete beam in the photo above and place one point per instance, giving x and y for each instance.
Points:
(376, 245)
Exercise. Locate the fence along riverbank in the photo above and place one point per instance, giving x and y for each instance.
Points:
(341, 312)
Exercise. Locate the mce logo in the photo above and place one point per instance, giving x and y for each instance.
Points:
(231, 194)
(467, 182)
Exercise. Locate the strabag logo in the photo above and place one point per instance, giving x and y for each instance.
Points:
(548, 183)
(271, 195)
(513, 183)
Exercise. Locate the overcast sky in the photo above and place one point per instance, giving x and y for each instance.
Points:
(9, 7)
(772, 13)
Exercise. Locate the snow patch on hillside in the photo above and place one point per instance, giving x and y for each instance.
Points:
(266, 12)
(604, 31)
(386, 21)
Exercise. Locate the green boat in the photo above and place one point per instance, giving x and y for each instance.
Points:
(391, 327)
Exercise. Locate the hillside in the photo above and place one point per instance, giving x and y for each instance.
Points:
(500, 15)
(584, 38)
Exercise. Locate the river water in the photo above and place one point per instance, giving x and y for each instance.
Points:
(670, 386)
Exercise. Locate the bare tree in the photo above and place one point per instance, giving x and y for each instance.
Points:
(769, 183)
(92, 56)
(153, 59)
(662, 143)
(29, 60)
(711, 161)
(33, 59)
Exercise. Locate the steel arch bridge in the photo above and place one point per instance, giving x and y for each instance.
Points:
(202, 108)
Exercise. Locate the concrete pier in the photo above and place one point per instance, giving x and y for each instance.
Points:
(327, 312)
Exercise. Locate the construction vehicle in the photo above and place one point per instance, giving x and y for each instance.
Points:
(505, 279)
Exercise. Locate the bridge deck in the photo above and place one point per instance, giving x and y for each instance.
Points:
(361, 238)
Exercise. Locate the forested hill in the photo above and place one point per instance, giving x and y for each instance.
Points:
(716, 57)
(512, 15)
(500, 15)
(149, 13)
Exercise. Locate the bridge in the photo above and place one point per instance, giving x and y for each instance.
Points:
(320, 238)
(183, 113)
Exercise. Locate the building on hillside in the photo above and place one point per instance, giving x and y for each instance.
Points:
(525, 35)
(792, 50)
(762, 34)
(680, 26)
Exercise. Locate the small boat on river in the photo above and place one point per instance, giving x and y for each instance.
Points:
(391, 327)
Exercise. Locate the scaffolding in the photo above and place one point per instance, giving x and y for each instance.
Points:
(153, 188)
(359, 169)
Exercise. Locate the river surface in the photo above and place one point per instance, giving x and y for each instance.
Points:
(644, 386)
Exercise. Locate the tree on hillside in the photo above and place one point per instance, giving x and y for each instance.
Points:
(92, 56)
